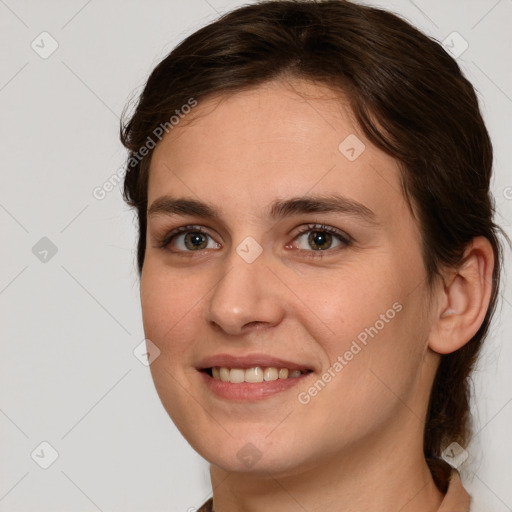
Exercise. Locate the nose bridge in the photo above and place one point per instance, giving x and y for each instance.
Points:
(245, 293)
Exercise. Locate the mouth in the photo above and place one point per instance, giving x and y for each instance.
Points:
(251, 378)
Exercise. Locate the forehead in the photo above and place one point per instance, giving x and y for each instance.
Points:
(274, 141)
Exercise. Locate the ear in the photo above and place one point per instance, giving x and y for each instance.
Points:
(464, 299)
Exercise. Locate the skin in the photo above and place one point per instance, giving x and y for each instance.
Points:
(362, 432)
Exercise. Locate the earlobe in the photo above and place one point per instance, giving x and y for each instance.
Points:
(464, 299)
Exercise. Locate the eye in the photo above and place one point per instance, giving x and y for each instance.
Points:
(193, 238)
(188, 239)
(321, 238)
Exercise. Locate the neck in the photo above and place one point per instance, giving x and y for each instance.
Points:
(382, 476)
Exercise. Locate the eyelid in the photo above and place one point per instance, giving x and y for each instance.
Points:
(322, 227)
(163, 241)
(345, 239)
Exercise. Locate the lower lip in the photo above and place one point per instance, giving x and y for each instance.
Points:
(248, 391)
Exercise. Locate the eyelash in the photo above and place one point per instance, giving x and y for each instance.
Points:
(164, 241)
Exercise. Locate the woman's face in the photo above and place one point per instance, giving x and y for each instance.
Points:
(264, 285)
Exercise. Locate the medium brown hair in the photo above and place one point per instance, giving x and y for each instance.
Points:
(411, 100)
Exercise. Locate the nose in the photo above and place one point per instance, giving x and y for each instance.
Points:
(246, 296)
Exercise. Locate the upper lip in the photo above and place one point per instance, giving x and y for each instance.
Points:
(250, 361)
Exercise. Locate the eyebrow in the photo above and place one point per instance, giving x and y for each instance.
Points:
(334, 203)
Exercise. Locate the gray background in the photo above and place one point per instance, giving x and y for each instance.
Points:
(69, 324)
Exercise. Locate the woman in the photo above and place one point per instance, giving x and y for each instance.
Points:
(318, 259)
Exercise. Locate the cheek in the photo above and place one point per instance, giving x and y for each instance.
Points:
(375, 332)
(169, 303)
(169, 299)
(348, 300)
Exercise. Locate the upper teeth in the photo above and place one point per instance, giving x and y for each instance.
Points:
(257, 374)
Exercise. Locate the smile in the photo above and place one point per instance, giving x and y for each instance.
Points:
(253, 375)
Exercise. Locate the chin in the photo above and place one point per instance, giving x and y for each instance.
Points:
(254, 453)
